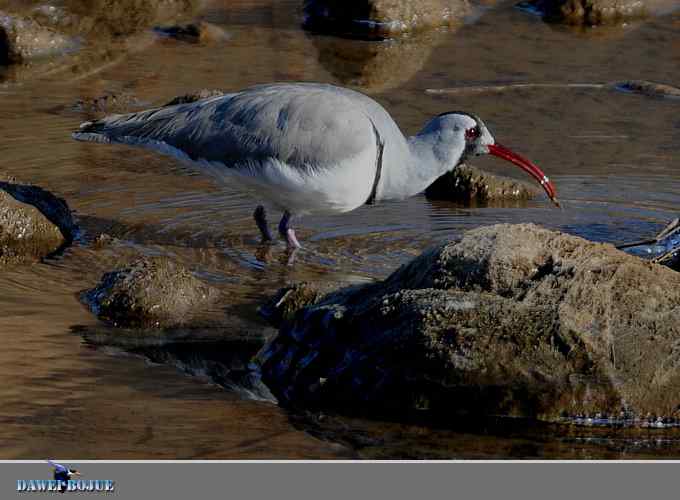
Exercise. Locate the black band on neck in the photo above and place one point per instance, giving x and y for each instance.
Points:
(378, 167)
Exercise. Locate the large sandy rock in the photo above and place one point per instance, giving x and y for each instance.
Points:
(33, 223)
(472, 186)
(150, 292)
(511, 320)
(382, 18)
(24, 38)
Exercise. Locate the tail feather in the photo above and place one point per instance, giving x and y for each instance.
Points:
(179, 130)
(151, 129)
(91, 132)
(151, 125)
(121, 128)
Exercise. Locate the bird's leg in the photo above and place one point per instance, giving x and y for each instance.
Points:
(260, 216)
(287, 232)
(288, 258)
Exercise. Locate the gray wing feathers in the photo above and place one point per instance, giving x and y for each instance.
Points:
(302, 125)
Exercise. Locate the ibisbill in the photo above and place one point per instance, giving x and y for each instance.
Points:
(307, 148)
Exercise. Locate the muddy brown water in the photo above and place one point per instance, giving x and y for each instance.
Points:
(615, 158)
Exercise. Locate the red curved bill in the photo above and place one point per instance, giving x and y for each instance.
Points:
(530, 168)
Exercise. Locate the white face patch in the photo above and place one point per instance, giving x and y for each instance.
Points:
(467, 122)
(485, 138)
(461, 122)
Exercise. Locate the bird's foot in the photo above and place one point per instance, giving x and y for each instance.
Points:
(260, 216)
(289, 255)
(263, 253)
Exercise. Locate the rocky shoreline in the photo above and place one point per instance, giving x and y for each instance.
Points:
(512, 320)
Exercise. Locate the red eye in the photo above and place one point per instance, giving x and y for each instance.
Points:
(471, 134)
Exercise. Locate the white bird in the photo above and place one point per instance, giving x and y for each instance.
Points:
(307, 147)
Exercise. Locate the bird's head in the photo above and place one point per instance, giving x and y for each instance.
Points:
(460, 129)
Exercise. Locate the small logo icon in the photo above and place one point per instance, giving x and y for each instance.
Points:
(63, 481)
(62, 474)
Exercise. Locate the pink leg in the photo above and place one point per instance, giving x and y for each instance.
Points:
(287, 232)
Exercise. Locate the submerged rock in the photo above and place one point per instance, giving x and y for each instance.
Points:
(511, 320)
(472, 186)
(381, 18)
(108, 103)
(283, 306)
(591, 12)
(200, 32)
(150, 292)
(650, 89)
(33, 223)
(195, 96)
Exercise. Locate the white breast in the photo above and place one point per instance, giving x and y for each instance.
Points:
(330, 189)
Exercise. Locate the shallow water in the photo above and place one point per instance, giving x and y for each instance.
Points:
(68, 392)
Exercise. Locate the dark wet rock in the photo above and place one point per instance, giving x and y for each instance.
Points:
(150, 292)
(200, 32)
(55, 209)
(33, 223)
(381, 18)
(664, 248)
(650, 89)
(194, 96)
(23, 38)
(25, 233)
(287, 301)
(671, 259)
(511, 320)
(591, 12)
(472, 186)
